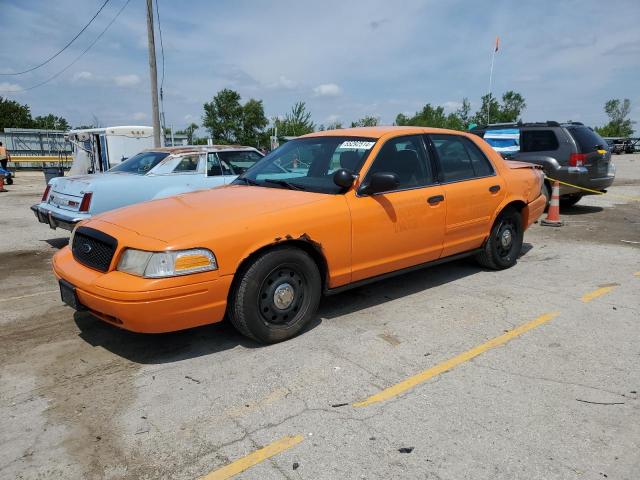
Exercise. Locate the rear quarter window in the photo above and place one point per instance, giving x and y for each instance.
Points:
(586, 139)
(538, 141)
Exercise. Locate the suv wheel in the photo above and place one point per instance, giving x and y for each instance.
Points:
(276, 296)
(502, 248)
(569, 201)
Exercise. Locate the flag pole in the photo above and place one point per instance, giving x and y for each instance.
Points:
(493, 56)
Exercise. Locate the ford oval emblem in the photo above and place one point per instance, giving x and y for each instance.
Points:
(86, 248)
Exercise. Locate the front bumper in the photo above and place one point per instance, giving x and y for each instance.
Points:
(56, 218)
(146, 305)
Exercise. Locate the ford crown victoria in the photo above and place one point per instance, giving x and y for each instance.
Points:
(325, 212)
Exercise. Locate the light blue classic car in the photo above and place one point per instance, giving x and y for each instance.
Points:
(151, 174)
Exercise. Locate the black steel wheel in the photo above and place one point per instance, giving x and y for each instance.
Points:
(502, 248)
(275, 296)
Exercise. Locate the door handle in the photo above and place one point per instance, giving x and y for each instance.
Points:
(436, 199)
(494, 188)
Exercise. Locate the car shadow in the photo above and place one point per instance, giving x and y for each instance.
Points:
(210, 339)
(146, 348)
(580, 210)
(58, 243)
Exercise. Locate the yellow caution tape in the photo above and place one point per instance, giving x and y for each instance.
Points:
(626, 197)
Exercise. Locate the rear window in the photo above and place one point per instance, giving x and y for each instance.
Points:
(587, 139)
(538, 141)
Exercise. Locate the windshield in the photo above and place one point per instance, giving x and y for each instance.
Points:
(141, 163)
(309, 163)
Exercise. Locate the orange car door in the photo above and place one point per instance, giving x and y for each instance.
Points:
(472, 189)
(403, 227)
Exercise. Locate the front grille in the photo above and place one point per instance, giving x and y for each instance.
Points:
(93, 248)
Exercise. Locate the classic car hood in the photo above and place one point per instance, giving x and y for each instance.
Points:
(182, 215)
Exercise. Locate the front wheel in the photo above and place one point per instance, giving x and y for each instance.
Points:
(504, 244)
(276, 296)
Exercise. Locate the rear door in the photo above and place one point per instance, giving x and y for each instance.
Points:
(472, 189)
(594, 148)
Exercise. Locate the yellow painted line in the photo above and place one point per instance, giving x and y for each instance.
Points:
(29, 295)
(587, 297)
(411, 382)
(254, 458)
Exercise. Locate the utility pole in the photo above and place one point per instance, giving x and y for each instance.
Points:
(154, 76)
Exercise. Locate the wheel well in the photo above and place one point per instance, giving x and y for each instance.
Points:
(304, 244)
(519, 206)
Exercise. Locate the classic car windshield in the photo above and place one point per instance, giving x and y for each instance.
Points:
(309, 163)
(141, 163)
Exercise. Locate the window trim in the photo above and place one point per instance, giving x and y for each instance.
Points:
(426, 154)
(441, 179)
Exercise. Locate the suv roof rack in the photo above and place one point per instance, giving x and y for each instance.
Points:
(573, 123)
(548, 123)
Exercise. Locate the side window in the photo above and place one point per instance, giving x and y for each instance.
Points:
(455, 159)
(188, 163)
(481, 165)
(213, 165)
(238, 162)
(538, 141)
(404, 156)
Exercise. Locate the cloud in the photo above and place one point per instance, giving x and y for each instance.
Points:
(284, 82)
(140, 116)
(9, 87)
(84, 75)
(126, 80)
(327, 90)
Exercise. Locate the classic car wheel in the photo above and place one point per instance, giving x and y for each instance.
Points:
(504, 244)
(276, 296)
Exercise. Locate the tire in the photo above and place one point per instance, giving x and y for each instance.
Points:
(496, 254)
(569, 201)
(8, 181)
(276, 296)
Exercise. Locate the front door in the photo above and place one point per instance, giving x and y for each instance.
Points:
(472, 190)
(404, 227)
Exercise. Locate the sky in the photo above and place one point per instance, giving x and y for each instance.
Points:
(345, 59)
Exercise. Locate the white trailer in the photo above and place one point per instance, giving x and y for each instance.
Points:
(98, 149)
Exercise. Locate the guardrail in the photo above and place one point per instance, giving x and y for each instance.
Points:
(38, 161)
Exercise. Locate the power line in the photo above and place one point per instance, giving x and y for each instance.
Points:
(76, 59)
(63, 48)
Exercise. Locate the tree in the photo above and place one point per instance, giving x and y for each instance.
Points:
(333, 126)
(509, 111)
(619, 125)
(463, 113)
(253, 123)
(190, 130)
(431, 116)
(366, 121)
(223, 116)
(14, 115)
(50, 122)
(296, 122)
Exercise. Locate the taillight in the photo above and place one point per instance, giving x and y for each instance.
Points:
(46, 193)
(577, 159)
(86, 202)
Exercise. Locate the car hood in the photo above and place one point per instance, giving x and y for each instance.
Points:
(186, 215)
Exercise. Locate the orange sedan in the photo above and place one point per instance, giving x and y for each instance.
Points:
(325, 212)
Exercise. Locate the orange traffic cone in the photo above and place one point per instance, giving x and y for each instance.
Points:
(553, 214)
(2, 183)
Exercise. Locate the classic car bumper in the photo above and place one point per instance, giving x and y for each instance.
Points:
(55, 217)
(144, 305)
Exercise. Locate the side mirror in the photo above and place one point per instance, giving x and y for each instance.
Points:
(344, 178)
(380, 182)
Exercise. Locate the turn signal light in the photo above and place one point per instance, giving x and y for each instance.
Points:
(577, 159)
(86, 202)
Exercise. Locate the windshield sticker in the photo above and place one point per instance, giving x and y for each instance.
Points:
(357, 144)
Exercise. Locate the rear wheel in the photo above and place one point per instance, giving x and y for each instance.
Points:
(569, 201)
(504, 244)
(547, 194)
(276, 296)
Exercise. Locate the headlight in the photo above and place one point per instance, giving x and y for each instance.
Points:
(166, 264)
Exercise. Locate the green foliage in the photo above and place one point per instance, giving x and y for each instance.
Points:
(431, 116)
(228, 121)
(333, 126)
(14, 115)
(366, 121)
(297, 122)
(508, 111)
(619, 124)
